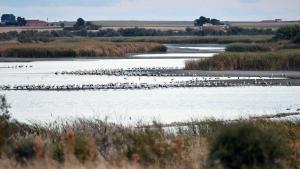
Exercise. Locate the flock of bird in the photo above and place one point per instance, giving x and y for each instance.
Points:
(176, 84)
(122, 72)
(155, 71)
(18, 66)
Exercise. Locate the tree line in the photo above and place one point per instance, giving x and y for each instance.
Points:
(45, 36)
(204, 20)
(12, 20)
(81, 24)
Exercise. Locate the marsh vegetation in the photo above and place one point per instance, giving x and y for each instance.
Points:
(257, 143)
(75, 48)
(281, 53)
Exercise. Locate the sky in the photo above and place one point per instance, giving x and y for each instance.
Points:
(225, 10)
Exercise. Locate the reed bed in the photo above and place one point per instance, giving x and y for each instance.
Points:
(99, 144)
(261, 47)
(278, 60)
(83, 143)
(242, 47)
(76, 48)
(193, 39)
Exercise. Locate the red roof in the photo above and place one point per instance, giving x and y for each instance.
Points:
(36, 23)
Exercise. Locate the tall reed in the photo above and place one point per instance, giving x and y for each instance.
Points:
(76, 48)
(279, 60)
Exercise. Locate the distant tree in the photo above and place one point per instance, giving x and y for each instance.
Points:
(62, 24)
(189, 30)
(235, 30)
(8, 19)
(297, 38)
(216, 22)
(80, 24)
(88, 23)
(21, 21)
(201, 21)
(91, 26)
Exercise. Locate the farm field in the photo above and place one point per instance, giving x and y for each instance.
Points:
(159, 25)
(25, 28)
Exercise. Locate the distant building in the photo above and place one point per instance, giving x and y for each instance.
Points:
(272, 21)
(36, 23)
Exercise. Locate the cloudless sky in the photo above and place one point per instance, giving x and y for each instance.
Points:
(227, 10)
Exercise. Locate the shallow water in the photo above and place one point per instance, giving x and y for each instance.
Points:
(183, 55)
(205, 48)
(53, 66)
(195, 48)
(166, 105)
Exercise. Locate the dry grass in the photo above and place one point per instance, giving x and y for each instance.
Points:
(110, 146)
(263, 25)
(183, 24)
(97, 144)
(25, 28)
(76, 47)
(287, 59)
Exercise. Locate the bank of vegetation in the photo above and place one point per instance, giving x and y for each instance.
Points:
(291, 33)
(193, 39)
(191, 35)
(281, 53)
(76, 48)
(45, 36)
(92, 144)
(262, 47)
(278, 60)
(244, 47)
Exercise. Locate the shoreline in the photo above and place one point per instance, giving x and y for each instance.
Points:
(230, 73)
(9, 59)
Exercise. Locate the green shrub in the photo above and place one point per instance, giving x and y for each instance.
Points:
(24, 151)
(4, 106)
(4, 121)
(248, 146)
(58, 153)
(287, 32)
(81, 149)
(297, 38)
(150, 146)
(161, 48)
(247, 48)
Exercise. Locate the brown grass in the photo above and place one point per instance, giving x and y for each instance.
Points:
(288, 59)
(109, 146)
(26, 28)
(76, 47)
